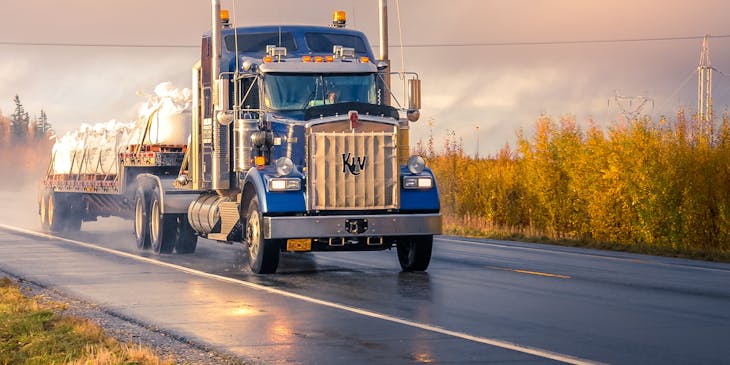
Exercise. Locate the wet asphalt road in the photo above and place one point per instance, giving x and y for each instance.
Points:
(481, 301)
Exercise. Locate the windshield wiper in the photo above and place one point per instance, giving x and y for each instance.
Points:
(309, 99)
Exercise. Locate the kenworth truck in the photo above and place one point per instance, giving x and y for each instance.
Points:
(294, 147)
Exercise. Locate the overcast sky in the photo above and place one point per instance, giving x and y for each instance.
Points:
(464, 51)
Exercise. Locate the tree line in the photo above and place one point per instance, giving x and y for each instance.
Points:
(662, 184)
(25, 145)
(20, 129)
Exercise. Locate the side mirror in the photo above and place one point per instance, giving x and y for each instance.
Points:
(382, 65)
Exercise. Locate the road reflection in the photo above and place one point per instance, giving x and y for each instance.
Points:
(415, 285)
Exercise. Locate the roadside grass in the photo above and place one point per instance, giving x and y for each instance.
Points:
(478, 228)
(34, 332)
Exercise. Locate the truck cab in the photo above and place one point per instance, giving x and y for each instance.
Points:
(295, 147)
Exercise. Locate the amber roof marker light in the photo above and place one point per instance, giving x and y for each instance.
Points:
(339, 19)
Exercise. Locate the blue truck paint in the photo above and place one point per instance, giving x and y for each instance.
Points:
(418, 199)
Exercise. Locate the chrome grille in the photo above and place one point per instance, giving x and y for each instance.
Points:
(352, 170)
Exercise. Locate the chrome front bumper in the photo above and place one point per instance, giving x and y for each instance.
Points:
(336, 226)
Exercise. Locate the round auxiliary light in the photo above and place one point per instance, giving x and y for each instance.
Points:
(413, 115)
(284, 166)
(224, 117)
(416, 164)
(247, 65)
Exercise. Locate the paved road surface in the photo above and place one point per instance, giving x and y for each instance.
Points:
(481, 301)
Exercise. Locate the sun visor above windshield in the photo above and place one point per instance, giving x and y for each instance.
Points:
(295, 66)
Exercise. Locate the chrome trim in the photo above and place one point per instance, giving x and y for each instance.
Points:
(362, 117)
(352, 171)
(334, 226)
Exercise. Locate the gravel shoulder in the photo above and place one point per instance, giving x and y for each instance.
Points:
(164, 343)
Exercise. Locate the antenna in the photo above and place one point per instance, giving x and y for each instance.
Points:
(704, 83)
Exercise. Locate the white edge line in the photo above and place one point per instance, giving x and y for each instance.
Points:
(627, 259)
(487, 341)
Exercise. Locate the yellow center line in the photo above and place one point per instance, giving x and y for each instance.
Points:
(531, 272)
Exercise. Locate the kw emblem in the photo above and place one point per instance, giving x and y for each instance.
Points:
(354, 164)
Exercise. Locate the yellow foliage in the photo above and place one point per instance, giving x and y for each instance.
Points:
(663, 184)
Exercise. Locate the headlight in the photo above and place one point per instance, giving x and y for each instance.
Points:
(285, 184)
(284, 166)
(416, 164)
(417, 182)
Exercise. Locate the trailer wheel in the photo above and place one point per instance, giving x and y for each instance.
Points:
(186, 239)
(162, 226)
(56, 212)
(43, 211)
(263, 254)
(74, 216)
(414, 253)
(141, 218)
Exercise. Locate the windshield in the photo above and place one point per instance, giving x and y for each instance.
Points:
(300, 91)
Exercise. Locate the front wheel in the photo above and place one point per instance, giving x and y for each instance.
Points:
(263, 254)
(414, 253)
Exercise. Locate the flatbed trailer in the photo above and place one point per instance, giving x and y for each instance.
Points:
(68, 199)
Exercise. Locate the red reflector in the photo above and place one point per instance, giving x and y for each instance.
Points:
(354, 119)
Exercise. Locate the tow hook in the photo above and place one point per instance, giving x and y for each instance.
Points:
(356, 226)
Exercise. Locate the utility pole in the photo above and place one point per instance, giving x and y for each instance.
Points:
(704, 84)
(477, 155)
(431, 152)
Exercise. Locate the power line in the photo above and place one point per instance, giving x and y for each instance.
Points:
(99, 45)
(421, 45)
(557, 43)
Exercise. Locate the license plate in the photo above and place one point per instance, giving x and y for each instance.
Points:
(299, 244)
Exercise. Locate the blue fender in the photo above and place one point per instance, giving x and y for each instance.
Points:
(419, 199)
(278, 201)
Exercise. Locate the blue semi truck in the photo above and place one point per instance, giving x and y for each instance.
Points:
(294, 147)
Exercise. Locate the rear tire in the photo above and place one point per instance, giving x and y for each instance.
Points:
(186, 239)
(43, 211)
(162, 226)
(414, 253)
(57, 210)
(141, 218)
(263, 254)
(75, 214)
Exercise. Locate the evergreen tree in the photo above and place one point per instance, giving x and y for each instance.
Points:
(4, 130)
(42, 127)
(19, 123)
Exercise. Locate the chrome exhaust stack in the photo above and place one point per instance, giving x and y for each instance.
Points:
(222, 117)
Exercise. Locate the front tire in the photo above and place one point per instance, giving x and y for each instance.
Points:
(162, 226)
(263, 254)
(414, 253)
